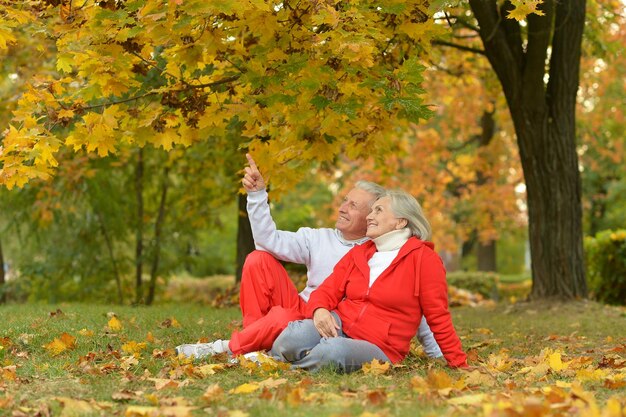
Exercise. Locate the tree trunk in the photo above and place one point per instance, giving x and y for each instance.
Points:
(486, 251)
(245, 241)
(3, 296)
(486, 256)
(116, 272)
(158, 226)
(543, 115)
(139, 231)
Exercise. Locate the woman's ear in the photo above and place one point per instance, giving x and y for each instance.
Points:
(402, 223)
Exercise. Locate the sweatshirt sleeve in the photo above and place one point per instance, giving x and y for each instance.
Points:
(286, 246)
(333, 289)
(433, 297)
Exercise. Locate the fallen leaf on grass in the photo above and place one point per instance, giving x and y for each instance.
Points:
(478, 378)
(472, 399)
(133, 347)
(263, 364)
(295, 396)
(9, 373)
(236, 413)
(75, 408)
(5, 342)
(377, 397)
(156, 353)
(612, 383)
(171, 322)
(272, 383)
(127, 395)
(245, 388)
(213, 393)
(556, 363)
(376, 367)
(6, 402)
(128, 362)
(209, 369)
(144, 411)
(114, 324)
(61, 344)
(85, 332)
(160, 383)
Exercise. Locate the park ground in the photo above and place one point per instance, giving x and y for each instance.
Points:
(529, 359)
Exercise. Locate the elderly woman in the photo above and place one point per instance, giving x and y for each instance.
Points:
(372, 304)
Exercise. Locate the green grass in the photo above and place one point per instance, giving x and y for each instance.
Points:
(516, 334)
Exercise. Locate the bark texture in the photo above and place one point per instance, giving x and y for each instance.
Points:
(541, 94)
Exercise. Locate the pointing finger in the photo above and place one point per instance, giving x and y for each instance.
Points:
(251, 162)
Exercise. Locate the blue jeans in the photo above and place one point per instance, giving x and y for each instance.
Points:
(301, 345)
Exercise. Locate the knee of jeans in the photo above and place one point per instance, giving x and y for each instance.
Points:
(285, 344)
(334, 351)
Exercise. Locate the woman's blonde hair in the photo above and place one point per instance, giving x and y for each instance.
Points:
(405, 206)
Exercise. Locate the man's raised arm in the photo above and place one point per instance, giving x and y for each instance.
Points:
(286, 246)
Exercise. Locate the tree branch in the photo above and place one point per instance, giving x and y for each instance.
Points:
(126, 100)
(458, 46)
(539, 37)
(215, 83)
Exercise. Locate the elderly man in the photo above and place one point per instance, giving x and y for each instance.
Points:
(268, 298)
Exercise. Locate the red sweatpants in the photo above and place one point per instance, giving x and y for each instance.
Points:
(268, 300)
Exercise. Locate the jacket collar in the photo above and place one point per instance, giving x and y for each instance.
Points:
(369, 248)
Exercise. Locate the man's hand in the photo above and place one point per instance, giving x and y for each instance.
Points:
(325, 323)
(252, 179)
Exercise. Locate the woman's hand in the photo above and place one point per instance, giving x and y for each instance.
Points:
(325, 323)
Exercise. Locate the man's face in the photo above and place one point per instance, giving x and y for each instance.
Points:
(352, 213)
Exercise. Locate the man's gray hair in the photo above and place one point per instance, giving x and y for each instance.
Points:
(405, 206)
(371, 187)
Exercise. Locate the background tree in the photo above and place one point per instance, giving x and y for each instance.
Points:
(461, 165)
(537, 61)
(601, 120)
(306, 81)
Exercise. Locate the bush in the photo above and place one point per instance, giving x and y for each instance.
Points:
(606, 266)
(484, 283)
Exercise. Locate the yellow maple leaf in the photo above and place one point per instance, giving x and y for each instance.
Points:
(555, 362)
(146, 411)
(114, 324)
(6, 37)
(376, 367)
(61, 344)
(209, 369)
(523, 8)
(246, 388)
(56, 347)
(439, 379)
(133, 347)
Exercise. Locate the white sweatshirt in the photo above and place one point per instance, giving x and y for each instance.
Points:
(318, 249)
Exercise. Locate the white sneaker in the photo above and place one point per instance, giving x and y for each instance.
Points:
(201, 350)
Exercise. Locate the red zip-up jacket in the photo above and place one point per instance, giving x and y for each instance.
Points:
(389, 312)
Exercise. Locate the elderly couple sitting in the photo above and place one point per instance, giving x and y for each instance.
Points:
(374, 282)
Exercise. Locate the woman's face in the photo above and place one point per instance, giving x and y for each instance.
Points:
(382, 220)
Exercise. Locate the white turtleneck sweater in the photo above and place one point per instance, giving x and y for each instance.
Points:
(387, 248)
